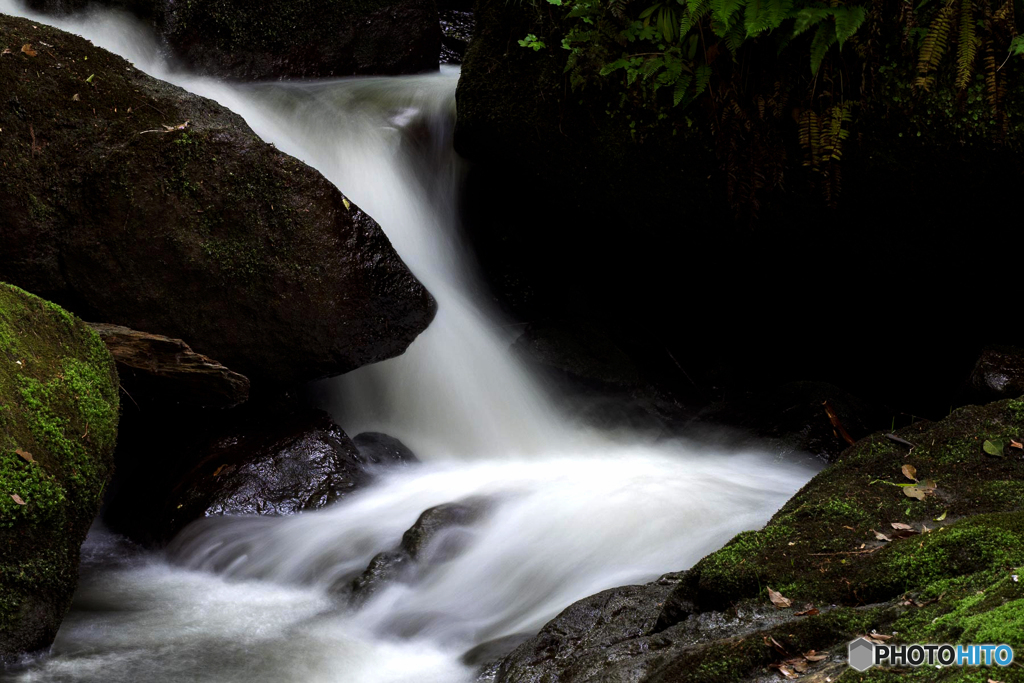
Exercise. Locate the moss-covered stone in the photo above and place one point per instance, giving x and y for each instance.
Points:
(59, 397)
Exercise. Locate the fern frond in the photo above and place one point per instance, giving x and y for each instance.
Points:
(723, 11)
(935, 43)
(848, 20)
(967, 46)
(824, 38)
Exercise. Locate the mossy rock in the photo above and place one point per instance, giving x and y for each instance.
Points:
(58, 426)
(133, 202)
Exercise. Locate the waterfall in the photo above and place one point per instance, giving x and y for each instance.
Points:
(571, 510)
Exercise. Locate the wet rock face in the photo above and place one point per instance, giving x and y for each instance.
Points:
(456, 30)
(999, 373)
(381, 450)
(154, 365)
(437, 536)
(133, 202)
(264, 458)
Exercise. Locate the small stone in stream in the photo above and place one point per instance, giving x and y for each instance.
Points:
(380, 449)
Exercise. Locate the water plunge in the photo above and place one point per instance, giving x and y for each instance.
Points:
(572, 510)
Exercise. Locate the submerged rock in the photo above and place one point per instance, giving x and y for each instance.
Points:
(58, 425)
(134, 202)
(151, 364)
(306, 39)
(381, 449)
(432, 540)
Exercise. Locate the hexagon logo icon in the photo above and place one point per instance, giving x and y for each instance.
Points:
(861, 654)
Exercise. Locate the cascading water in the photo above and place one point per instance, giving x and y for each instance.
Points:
(571, 511)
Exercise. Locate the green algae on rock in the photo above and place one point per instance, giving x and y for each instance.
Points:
(58, 426)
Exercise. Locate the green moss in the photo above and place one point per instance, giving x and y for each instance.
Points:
(58, 392)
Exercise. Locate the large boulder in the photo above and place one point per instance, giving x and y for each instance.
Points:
(58, 424)
(307, 39)
(136, 203)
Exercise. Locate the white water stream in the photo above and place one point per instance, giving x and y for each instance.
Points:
(574, 511)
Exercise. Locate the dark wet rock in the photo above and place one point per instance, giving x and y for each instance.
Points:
(199, 232)
(795, 417)
(607, 381)
(304, 39)
(437, 536)
(490, 653)
(156, 365)
(999, 373)
(456, 30)
(380, 449)
(271, 457)
(58, 425)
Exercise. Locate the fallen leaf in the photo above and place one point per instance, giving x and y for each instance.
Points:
(940, 517)
(836, 424)
(920, 491)
(76, 98)
(910, 472)
(347, 203)
(778, 600)
(798, 664)
(772, 643)
(875, 634)
(25, 455)
(880, 536)
(27, 49)
(784, 671)
(993, 447)
(17, 499)
(992, 680)
(901, 525)
(814, 656)
(91, 76)
(1016, 444)
(809, 612)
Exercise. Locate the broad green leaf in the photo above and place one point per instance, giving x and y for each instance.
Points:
(994, 447)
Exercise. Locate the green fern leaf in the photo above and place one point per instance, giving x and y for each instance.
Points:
(967, 46)
(723, 11)
(824, 38)
(808, 18)
(703, 76)
(848, 20)
(682, 85)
